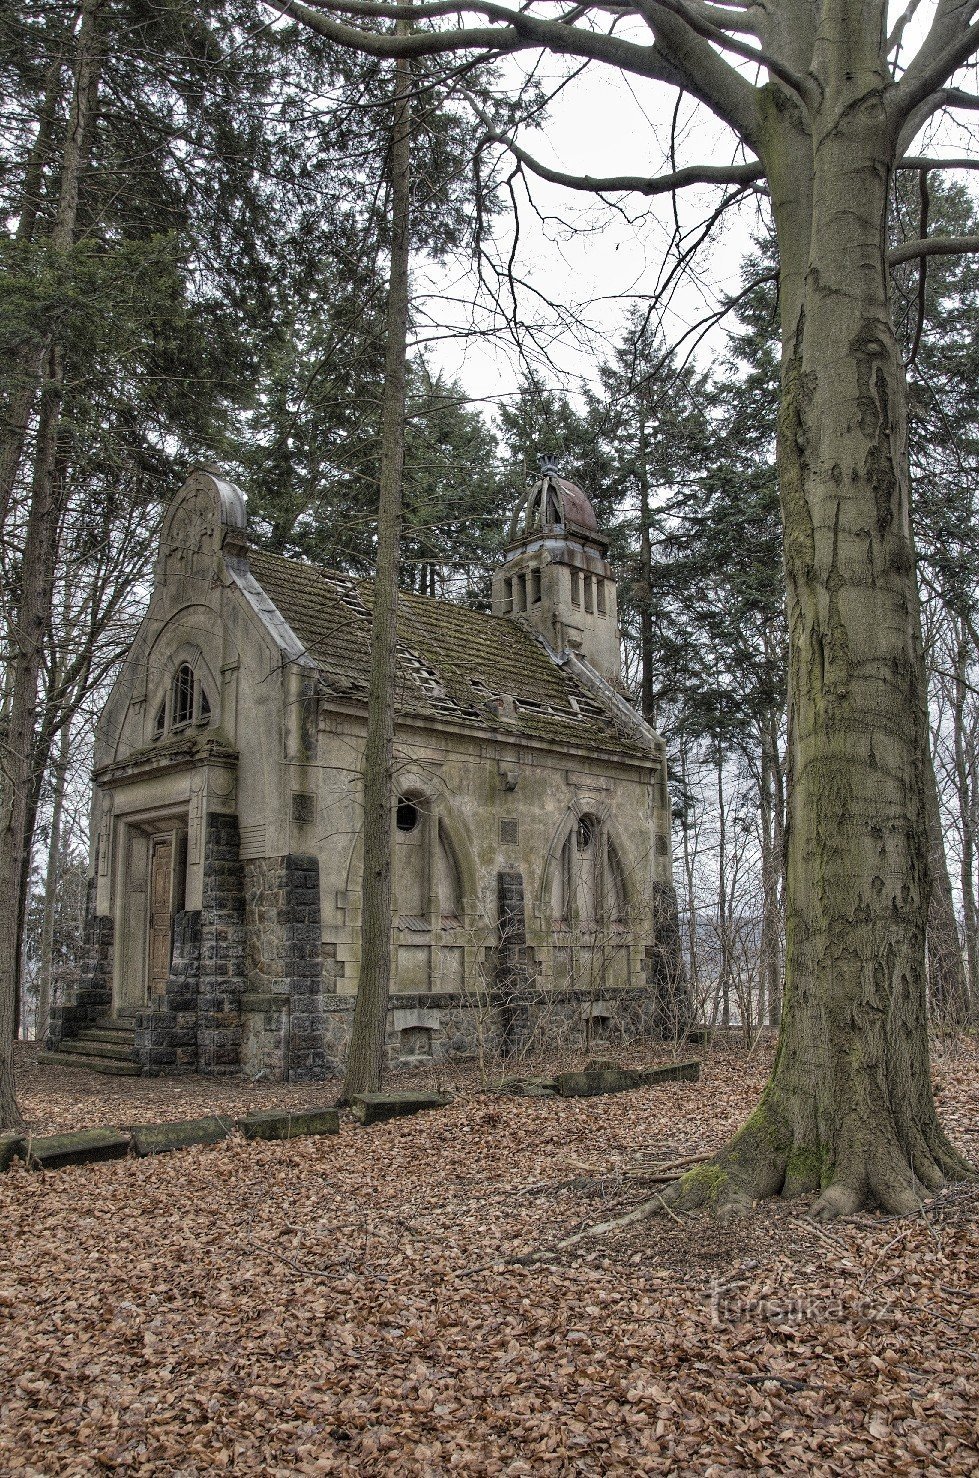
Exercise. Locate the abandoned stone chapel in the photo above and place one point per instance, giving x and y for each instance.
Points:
(533, 898)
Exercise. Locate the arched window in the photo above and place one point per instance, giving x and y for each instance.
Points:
(589, 884)
(428, 886)
(188, 703)
(183, 696)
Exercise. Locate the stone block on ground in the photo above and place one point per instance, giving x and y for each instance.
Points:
(286, 1124)
(83, 1147)
(12, 1147)
(158, 1139)
(529, 1087)
(375, 1108)
(590, 1082)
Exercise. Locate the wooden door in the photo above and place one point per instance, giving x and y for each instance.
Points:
(161, 915)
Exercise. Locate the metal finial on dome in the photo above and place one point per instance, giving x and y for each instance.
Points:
(548, 463)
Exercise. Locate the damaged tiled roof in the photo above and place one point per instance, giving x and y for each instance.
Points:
(453, 663)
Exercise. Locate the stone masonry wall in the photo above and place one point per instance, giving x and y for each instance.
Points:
(222, 967)
(283, 1032)
(91, 997)
(166, 1028)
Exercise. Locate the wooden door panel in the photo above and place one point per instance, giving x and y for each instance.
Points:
(161, 918)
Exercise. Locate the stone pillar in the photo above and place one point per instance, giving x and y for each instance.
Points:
(222, 957)
(666, 975)
(90, 998)
(166, 1028)
(511, 970)
(283, 1005)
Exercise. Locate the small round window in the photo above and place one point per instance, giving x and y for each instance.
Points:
(407, 816)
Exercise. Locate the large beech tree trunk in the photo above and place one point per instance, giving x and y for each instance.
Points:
(849, 1108)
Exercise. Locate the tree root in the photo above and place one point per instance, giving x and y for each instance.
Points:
(872, 1172)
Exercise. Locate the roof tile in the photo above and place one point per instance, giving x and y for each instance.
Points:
(454, 663)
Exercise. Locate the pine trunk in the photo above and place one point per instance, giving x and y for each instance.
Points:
(365, 1063)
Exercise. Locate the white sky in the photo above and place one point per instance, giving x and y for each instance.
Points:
(607, 123)
(592, 260)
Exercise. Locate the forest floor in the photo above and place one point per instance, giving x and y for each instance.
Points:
(344, 1305)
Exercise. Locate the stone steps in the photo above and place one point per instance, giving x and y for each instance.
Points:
(121, 1051)
(108, 1046)
(107, 1065)
(110, 1038)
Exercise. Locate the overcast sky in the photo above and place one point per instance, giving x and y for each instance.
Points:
(592, 260)
(606, 123)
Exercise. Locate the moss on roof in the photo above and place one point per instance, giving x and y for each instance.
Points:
(453, 663)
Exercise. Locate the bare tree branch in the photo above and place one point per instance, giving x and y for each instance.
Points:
(918, 161)
(516, 31)
(933, 246)
(949, 43)
(900, 25)
(695, 15)
(679, 56)
(706, 174)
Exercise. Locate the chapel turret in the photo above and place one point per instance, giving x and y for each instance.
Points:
(556, 575)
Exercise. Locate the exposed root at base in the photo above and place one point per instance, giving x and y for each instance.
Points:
(764, 1159)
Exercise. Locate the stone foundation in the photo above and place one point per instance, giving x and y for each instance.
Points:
(91, 996)
(166, 1028)
(282, 1009)
(424, 1029)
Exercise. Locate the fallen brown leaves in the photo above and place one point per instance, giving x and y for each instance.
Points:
(310, 1307)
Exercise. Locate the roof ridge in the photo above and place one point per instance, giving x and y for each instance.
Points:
(403, 595)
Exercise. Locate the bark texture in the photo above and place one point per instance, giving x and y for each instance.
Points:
(31, 619)
(849, 1110)
(365, 1062)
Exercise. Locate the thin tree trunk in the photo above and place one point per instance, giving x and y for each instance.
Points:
(946, 968)
(27, 637)
(766, 946)
(32, 619)
(26, 373)
(646, 583)
(693, 946)
(365, 1064)
(723, 969)
(45, 990)
(779, 864)
(964, 788)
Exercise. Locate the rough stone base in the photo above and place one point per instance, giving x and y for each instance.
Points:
(282, 1026)
(460, 1028)
(90, 999)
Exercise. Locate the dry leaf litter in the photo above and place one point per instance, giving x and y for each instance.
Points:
(346, 1305)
